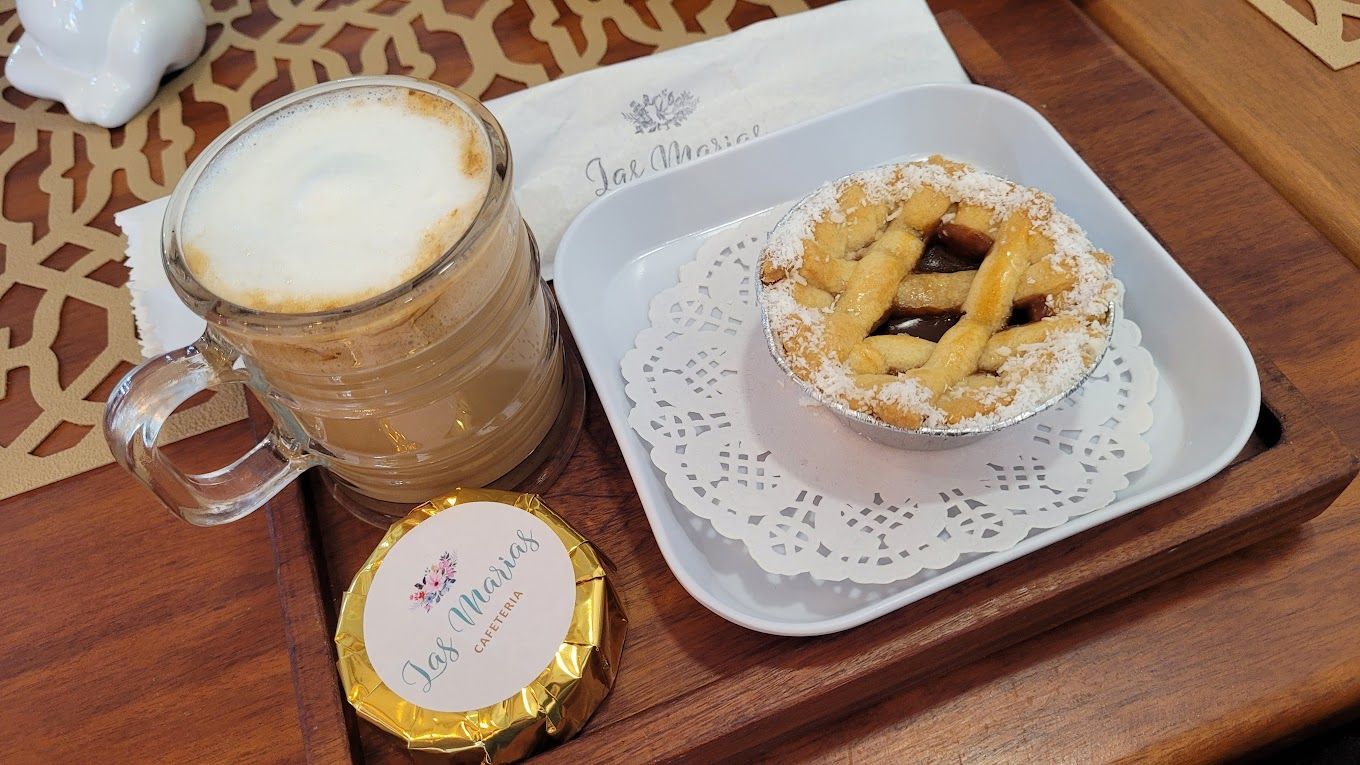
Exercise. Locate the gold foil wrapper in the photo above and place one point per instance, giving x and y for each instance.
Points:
(551, 709)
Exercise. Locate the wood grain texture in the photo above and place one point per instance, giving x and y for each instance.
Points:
(178, 654)
(1192, 670)
(686, 670)
(1290, 115)
(131, 636)
(326, 720)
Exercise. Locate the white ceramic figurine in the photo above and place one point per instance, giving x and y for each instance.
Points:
(103, 59)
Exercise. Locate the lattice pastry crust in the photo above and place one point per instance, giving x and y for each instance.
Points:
(870, 254)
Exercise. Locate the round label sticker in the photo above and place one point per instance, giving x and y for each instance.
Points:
(469, 607)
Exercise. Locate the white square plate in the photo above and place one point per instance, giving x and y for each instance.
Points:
(629, 245)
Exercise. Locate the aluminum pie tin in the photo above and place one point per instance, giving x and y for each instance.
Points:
(918, 439)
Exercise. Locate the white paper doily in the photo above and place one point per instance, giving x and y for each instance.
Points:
(742, 447)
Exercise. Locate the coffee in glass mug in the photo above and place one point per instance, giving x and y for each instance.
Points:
(363, 267)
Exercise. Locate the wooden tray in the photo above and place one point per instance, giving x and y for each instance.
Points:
(693, 686)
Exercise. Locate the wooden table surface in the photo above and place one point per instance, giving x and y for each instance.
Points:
(1291, 116)
(139, 638)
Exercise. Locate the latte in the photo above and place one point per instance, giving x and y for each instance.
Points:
(336, 199)
(339, 199)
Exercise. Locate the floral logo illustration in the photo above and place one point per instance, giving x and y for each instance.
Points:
(439, 577)
(662, 111)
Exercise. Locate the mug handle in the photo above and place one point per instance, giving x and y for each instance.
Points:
(149, 394)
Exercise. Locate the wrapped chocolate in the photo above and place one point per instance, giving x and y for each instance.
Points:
(482, 629)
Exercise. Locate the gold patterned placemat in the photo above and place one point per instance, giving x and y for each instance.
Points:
(66, 328)
(1328, 28)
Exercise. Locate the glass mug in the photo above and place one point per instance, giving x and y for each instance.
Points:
(452, 378)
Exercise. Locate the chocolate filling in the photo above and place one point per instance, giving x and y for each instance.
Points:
(963, 241)
(950, 248)
(930, 328)
(1034, 309)
(939, 260)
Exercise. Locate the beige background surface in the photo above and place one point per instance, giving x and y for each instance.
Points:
(1328, 28)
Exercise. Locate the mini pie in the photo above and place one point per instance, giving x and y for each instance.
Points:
(933, 295)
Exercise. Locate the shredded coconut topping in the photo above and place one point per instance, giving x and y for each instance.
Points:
(1031, 376)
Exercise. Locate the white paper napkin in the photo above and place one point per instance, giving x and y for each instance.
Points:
(163, 322)
(578, 138)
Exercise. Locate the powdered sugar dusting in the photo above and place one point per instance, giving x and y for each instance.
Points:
(1036, 373)
(785, 246)
(910, 394)
(1030, 377)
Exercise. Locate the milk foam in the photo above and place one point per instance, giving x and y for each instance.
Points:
(336, 199)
